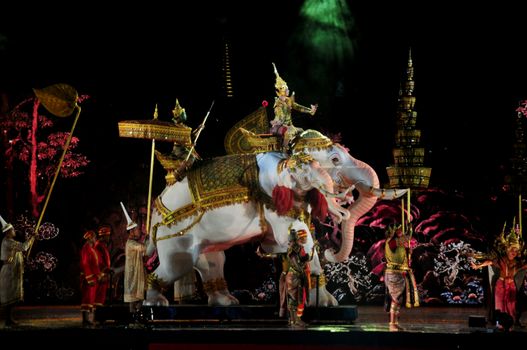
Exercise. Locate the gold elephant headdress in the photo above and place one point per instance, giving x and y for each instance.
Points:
(280, 83)
(310, 139)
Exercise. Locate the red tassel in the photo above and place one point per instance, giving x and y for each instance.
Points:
(319, 205)
(283, 199)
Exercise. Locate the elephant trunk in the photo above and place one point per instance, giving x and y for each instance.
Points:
(326, 189)
(360, 207)
(364, 178)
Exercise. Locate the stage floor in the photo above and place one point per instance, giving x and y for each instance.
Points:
(422, 328)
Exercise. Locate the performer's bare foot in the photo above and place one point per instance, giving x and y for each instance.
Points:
(394, 327)
(298, 324)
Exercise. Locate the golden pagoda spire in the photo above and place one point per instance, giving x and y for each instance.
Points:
(226, 70)
(408, 170)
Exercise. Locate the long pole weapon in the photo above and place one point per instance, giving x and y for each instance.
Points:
(201, 127)
(409, 211)
(151, 175)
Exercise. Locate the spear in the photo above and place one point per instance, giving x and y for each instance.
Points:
(201, 127)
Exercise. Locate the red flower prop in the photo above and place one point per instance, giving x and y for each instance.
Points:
(523, 108)
(265, 103)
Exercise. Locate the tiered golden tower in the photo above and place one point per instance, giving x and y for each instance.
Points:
(226, 70)
(409, 170)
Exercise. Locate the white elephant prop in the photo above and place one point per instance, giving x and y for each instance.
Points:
(347, 173)
(230, 200)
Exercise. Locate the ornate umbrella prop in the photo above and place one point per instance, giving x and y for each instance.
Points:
(60, 100)
(155, 130)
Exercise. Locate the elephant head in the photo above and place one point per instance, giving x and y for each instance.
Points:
(347, 173)
(299, 177)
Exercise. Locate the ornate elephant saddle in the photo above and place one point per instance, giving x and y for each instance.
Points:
(224, 181)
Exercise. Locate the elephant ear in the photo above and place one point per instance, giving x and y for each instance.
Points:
(283, 199)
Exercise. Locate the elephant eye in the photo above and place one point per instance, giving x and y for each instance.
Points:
(335, 160)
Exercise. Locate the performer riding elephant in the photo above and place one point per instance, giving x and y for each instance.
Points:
(230, 200)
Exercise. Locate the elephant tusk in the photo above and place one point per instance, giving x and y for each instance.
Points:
(382, 193)
(341, 195)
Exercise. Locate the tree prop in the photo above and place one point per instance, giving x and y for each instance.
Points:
(60, 100)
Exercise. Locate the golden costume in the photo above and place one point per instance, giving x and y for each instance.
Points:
(282, 124)
(134, 271)
(398, 276)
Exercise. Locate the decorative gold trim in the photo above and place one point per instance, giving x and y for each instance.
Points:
(213, 195)
(260, 143)
(214, 285)
(154, 282)
(156, 129)
(185, 230)
(235, 141)
(172, 217)
(321, 281)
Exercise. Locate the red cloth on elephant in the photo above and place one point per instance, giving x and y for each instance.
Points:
(283, 199)
(103, 256)
(319, 204)
(89, 276)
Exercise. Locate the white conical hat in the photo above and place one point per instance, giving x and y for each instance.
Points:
(5, 225)
(130, 223)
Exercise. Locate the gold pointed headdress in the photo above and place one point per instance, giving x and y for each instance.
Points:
(178, 112)
(513, 239)
(280, 83)
(392, 229)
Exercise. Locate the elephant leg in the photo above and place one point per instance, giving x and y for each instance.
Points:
(154, 293)
(175, 261)
(325, 298)
(318, 285)
(210, 266)
(185, 287)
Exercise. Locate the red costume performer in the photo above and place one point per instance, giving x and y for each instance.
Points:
(103, 254)
(508, 271)
(297, 278)
(89, 276)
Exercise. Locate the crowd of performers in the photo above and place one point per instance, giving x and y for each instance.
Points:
(95, 270)
(294, 283)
